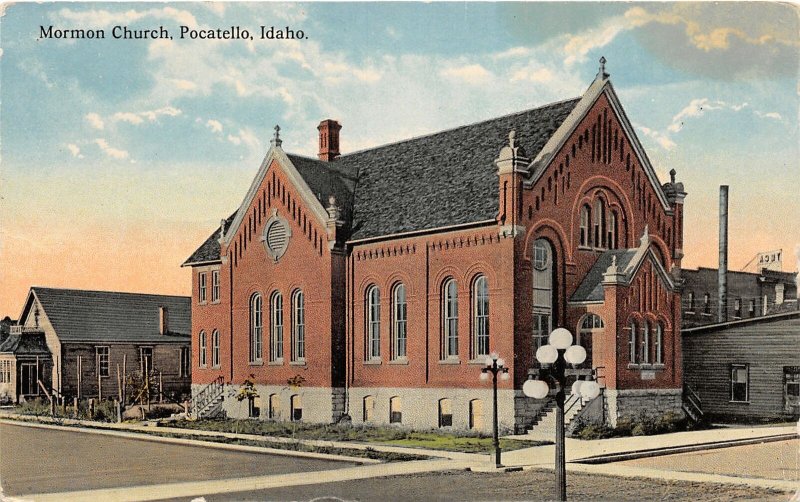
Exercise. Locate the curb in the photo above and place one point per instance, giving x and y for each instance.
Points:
(144, 436)
(671, 450)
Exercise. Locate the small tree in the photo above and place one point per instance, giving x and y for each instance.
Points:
(247, 391)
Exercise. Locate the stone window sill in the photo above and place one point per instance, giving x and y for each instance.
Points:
(402, 361)
(300, 362)
(256, 363)
(376, 362)
(478, 362)
(450, 360)
(276, 362)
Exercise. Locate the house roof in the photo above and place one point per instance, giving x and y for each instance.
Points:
(787, 323)
(106, 316)
(442, 179)
(25, 344)
(591, 288)
(209, 250)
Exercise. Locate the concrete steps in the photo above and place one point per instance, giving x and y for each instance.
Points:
(545, 428)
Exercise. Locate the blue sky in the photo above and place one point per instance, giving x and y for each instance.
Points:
(120, 156)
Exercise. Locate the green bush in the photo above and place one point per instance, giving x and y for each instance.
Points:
(639, 425)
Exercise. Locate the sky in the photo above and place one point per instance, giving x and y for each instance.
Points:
(119, 157)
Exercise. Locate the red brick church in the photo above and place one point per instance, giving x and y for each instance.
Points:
(373, 284)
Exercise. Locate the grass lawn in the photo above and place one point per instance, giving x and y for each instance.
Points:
(434, 440)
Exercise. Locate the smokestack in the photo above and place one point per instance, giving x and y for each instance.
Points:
(722, 278)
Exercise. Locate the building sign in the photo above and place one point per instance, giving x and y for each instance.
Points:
(770, 260)
(648, 375)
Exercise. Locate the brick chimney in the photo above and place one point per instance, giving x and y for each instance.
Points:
(328, 139)
(163, 321)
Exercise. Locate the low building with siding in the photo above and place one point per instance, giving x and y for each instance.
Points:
(746, 370)
(90, 334)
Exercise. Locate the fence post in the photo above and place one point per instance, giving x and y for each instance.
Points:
(118, 407)
(75, 407)
(91, 408)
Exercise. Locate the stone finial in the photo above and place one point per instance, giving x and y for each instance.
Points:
(613, 269)
(512, 157)
(644, 241)
(602, 71)
(334, 213)
(672, 173)
(276, 140)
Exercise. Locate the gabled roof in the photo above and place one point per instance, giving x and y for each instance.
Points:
(208, 252)
(591, 288)
(443, 179)
(32, 344)
(628, 262)
(106, 316)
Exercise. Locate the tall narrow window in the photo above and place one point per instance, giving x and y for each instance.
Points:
(395, 410)
(449, 319)
(737, 307)
(202, 349)
(706, 303)
(445, 413)
(632, 343)
(373, 335)
(298, 326)
(369, 408)
(476, 414)
(214, 286)
(296, 404)
(645, 343)
(215, 349)
(480, 317)
(276, 327)
(740, 380)
(585, 226)
(101, 356)
(399, 319)
(598, 215)
(611, 230)
(691, 302)
(542, 292)
(659, 343)
(256, 327)
(201, 287)
(185, 362)
(274, 406)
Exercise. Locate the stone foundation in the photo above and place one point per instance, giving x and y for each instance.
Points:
(635, 403)
(420, 407)
(526, 411)
(322, 405)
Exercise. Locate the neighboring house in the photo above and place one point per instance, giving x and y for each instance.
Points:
(89, 335)
(384, 277)
(746, 369)
(24, 362)
(749, 295)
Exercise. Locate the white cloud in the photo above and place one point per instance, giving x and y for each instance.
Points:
(663, 140)
(95, 120)
(236, 140)
(533, 75)
(184, 85)
(112, 152)
(473, 73)
(769, 115)
(74, 150)
(214, 125)
(137, 118)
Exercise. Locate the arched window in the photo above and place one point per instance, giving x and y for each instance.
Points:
(202, 349)
(590, 324)
(632, 342)
(611, 230)
(395, 410)
(369, 408)
(476, 414)
(215, 349)
(298, 326)
(585, 226)
(599, 232)
(274, 406)
(276, 327)
(256, 325)
(645, 343)
(399, 318)
(445, 413)
(449, 318)
(659, 344)
(480, 317)
(296, 404)
(373, 335)
(542, 291)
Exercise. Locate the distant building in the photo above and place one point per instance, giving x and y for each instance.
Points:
(74, 341)
(746, 369)
(749, 295)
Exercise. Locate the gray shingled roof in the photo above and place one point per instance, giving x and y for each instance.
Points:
(209, 250)
(96, 316)
(26, 344)
(443, 179)
(591, 289)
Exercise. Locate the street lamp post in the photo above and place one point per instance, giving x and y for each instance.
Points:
(554, 358)
(495, 365)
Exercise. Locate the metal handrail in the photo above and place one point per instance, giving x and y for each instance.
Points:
(208, 394)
